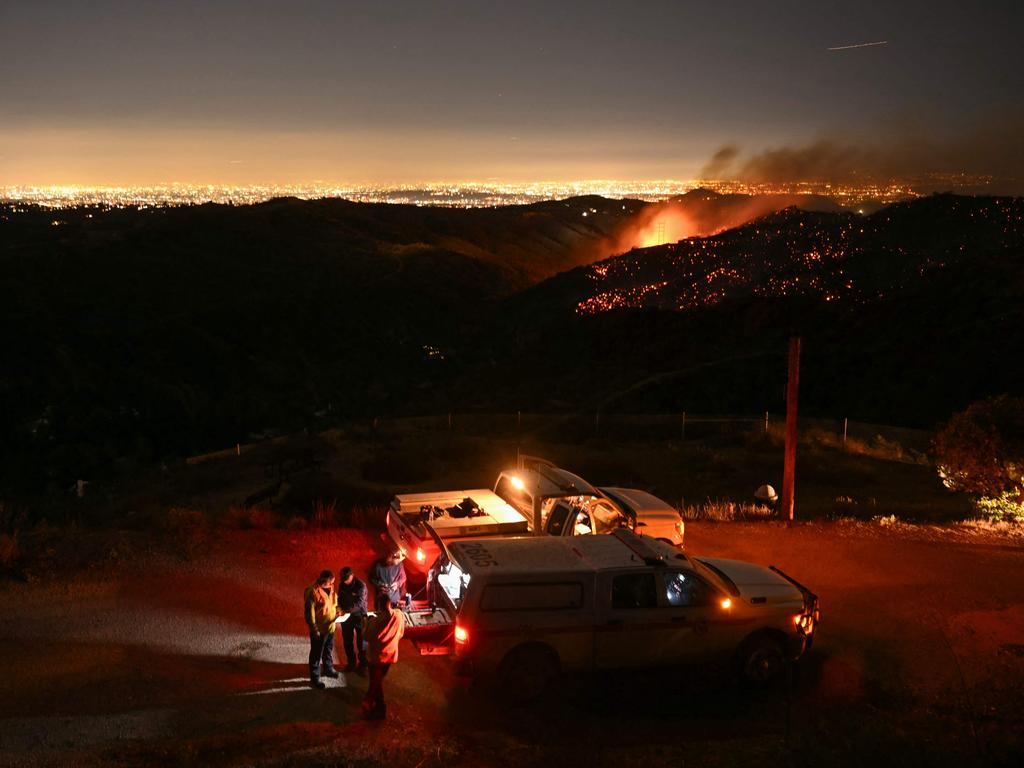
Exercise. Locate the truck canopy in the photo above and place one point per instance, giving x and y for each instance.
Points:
(493, 515)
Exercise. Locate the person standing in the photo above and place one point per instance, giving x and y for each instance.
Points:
(352, 600)
(387, 576)
(321, 611)
(383, 631)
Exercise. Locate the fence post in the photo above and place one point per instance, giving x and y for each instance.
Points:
(766, 422)
(789, 464)
(238, 449)
(846, 420)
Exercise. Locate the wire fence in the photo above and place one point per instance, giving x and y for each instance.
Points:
(576, 427)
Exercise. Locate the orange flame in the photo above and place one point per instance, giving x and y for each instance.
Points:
(668, 225)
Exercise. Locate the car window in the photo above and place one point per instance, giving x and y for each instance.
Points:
(607, 518)
(532, 597)
(583, 525)
(634, 590)
(560, 515)
(686, 589)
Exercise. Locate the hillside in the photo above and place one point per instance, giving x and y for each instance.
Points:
(135, 335)
(906, 315)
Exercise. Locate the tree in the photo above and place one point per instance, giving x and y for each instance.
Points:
(981, 450)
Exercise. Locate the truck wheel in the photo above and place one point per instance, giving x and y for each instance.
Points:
(526, 671)
(760, 661)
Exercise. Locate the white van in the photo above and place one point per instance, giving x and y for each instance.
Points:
(528, 608)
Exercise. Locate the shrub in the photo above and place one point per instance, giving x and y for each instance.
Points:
(1005, 508)
(981, 450)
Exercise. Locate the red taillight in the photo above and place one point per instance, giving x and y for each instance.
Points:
(421, 556)
(461, 635)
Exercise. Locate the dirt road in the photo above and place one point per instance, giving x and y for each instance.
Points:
(920, 661)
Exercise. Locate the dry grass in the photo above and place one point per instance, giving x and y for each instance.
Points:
(325, 513)
(1009, 528)
(721, 511)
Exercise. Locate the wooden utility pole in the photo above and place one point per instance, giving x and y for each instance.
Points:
(792, 391)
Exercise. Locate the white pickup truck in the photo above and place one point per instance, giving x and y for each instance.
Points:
(529, 608)
(536, 496)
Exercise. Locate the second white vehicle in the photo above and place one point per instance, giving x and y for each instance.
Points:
(535, 497)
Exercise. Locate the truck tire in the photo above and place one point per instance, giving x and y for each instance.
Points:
(526, 671)
(760, 660)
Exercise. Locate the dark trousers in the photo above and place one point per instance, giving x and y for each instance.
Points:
(374, 707)
(321, 650)
(352, 638)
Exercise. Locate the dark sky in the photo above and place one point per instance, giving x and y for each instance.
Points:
(98, 92)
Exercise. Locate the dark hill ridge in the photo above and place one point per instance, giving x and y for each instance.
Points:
(136, 334)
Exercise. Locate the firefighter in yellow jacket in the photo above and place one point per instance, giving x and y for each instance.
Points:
(321, 611)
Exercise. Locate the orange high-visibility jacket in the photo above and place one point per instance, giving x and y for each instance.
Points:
(383, 632)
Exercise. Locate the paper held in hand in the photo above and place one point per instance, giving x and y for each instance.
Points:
(342, 618)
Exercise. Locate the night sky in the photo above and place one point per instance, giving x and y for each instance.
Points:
(241, 91)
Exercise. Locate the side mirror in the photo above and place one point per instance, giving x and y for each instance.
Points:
(641, 525)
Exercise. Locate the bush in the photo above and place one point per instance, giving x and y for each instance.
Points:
(981, 450)
(1006, 508)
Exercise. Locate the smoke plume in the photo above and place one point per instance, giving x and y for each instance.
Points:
(993, 147)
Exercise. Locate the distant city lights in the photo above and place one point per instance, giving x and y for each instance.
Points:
(469, 194)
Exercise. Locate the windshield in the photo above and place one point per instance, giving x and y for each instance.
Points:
(515, 497)
(715, 575)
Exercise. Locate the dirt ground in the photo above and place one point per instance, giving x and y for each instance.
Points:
(165, 661)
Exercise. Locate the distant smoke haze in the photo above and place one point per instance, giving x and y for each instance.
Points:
(993, 147)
